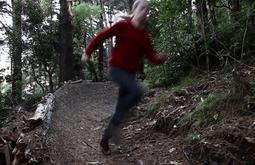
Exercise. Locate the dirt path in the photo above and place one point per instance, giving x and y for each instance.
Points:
(150, 135)
(82, 110)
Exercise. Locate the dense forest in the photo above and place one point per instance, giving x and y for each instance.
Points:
(200, 37)
(46, 39)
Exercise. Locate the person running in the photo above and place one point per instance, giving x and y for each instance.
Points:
(133, 43)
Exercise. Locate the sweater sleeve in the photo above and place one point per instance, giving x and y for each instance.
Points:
(150, 52)
(102, 35)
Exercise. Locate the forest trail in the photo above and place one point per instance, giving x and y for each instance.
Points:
(81, 112)
(151, 135)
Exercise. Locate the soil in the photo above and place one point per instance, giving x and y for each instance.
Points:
(148, 136)
(82, 112)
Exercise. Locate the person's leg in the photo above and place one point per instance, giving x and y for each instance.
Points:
(112, 126)
(129, 95)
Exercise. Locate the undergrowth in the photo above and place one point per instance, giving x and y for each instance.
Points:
(215, 108)
(207, 112)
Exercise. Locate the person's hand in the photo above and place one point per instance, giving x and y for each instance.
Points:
(162, 57)
(84, 57)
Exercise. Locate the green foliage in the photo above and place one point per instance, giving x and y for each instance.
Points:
(169, 29)
(232, 35)
(153, 108)
(31, 100)
(251, 101)
(176, 31)
(186, 82)
(34, 12)
(84, 12)
(86, 24)
(216, 107)
(92, 70)
(193, 138)
(118, 5)
(156, 104)
(47, 7)
(207, 112)
(5, 100)
(40, 47)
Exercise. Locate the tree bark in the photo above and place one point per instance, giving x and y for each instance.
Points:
(66, 47)
(202, 25)
(211, 4)
(235, 5)
(202, 16)
(235, 9)
(190, 19)
(130, 4)
(16, 50)
(100, 59)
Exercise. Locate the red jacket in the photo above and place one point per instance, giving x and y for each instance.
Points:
(131, 46)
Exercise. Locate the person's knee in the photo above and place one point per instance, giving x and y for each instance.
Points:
(115, 121)
(138, 95)
(117, 118)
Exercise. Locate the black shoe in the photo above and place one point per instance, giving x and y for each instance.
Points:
(104, 144)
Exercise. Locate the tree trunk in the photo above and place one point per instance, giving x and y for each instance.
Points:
(191, 29)
(100, 59)
(16, 50)
(51, 85)
(235, 5)
(202, 16)
(252, 4)
(100, 63)
(211, 4)
(130, 4)
(51, 70)
(110, 41)
(202, 25)
(66, 47)
(235, 10)
(190, 19)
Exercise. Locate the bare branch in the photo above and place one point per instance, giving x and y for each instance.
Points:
(245, 32)
(222, 4)
(8, 29)
(231, 57)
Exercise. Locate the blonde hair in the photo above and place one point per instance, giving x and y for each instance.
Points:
(134, 7)
(138, 3)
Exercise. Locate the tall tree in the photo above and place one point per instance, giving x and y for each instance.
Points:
(203, 25)
(211, 5)
(235, 9)
(190, 19)
(16, 50)
(65, 40)
(130, 4)
(101, 48)
(202, 16)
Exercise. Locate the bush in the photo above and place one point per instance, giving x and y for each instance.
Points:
(5, 101)
(173, 38)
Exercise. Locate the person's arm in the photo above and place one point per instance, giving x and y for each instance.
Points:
(101, 36)
(151, 54)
